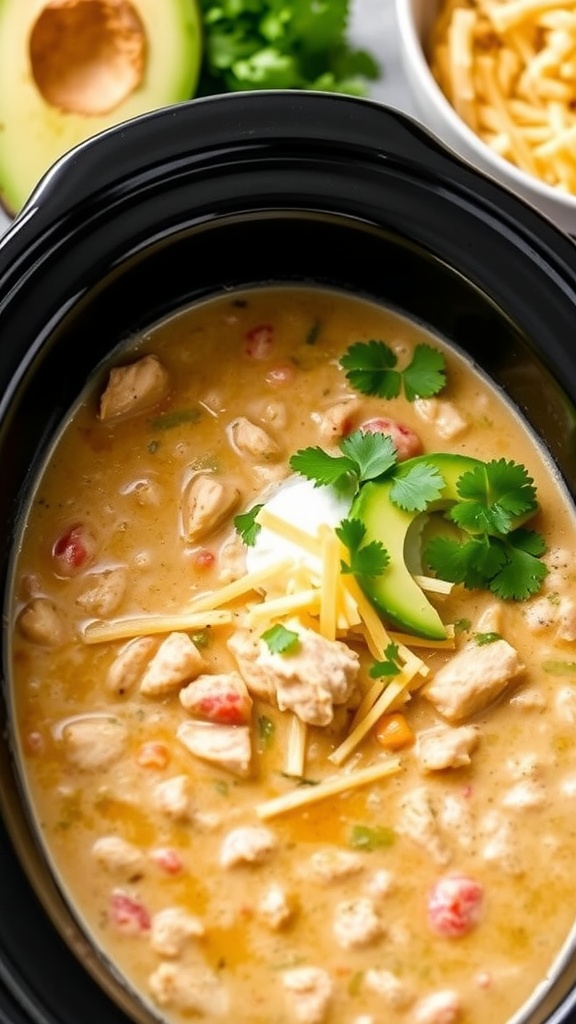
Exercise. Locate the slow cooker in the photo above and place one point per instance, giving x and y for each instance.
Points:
(228, 192)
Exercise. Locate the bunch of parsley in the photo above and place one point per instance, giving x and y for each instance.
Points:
(281, 44)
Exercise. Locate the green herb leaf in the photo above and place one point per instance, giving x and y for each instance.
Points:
(367, 838)
(389, 667)
(371, 368)
(373, 453)
(493, 496)
(266, 732)
(556, 667)
(324, 469)
(482, 639)
(269, 44)
(281, 640)
(366, 456)
(425, 375)
(509, 567)
(365, 560)
(246, 525)
(175, 418)
(416, 489)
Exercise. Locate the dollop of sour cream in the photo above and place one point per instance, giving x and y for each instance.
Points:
(299, 502)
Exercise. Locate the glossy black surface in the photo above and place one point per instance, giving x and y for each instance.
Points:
(235, 191)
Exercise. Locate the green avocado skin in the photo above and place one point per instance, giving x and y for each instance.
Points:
(395, 592)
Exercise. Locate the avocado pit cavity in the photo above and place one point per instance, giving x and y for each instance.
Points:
(87, 56)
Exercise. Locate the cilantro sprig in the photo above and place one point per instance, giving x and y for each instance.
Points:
(365, 456)
(281, 640)
(495, 553)
(245, 524)
(366, 560)
(371, 368)
(281, 44)
(390, 665)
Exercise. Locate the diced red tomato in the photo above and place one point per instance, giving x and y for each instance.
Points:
(222, 708)
(129, 914)
(455, 905)
(153, 755)
(168, 860)
(204, 559)
(259, 341)
(74, 550)
(405, 440)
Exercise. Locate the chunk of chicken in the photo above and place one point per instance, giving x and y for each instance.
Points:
(128, 666)
(118, 857)
(176, 661)
(418, 820)
(275, 908)
(223, 699)
(196, 989)
(94, 743)
(393, 992)
(247, 844)
(336, 421)
(172, 929)
(232, 558)
(132, 388)
(499, 843)
(442, 1007)
(444, 416)
(332, 865)
(206, 503)
(356, 923)
(473, 679)
(41, 622)
(443, 747)
(309, 991)
(173, 798)
(104, 591)
(227, 746)
(252, 441)
(309, 681)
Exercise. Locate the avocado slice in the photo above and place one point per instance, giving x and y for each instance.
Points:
(395, 592)
(72, 68)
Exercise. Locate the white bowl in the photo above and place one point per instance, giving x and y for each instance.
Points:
(414, 20)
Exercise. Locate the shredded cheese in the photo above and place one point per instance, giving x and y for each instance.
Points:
(232, 591)
(330, 554)
(147, 625)
(332, 786)
(392, 691)
(296, 747)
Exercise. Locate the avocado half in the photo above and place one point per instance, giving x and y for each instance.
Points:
(395, 592)
(72, 68)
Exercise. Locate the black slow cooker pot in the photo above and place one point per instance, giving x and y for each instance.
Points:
(234, 191)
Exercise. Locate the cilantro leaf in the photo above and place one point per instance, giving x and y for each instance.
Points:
(373, 453)
(365, 457)
(324, 469)
(281, 640)
(365, 560)
(245, 524)
(522, 574)
(493, 496)
(482, 639)
(425, 375)
(389, 667)
(416, 489)
(509, 567)
(371, 368)
(368, 838)
(269, 44)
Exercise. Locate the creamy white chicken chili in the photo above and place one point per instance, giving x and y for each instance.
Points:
(293, 652)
